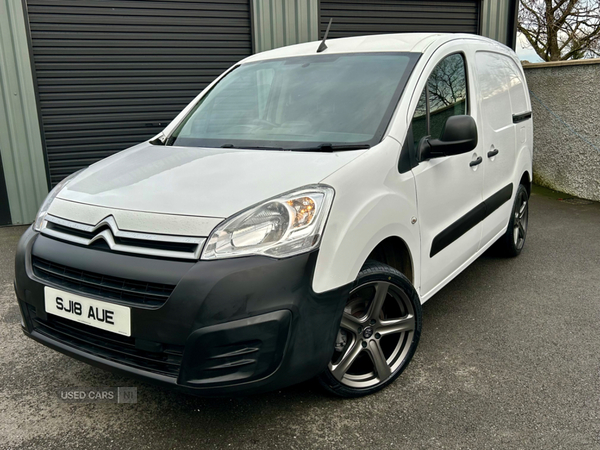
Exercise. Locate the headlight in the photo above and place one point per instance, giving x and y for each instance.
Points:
(280, 227)
(39, 219)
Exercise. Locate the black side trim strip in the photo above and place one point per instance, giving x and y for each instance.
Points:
(457, 229)
(470, 219)
(521, 117)
(498, 199)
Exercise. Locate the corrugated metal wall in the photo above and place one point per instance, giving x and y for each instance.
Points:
(498, 20)
(113, 73)
(20, 141)
(284, 22)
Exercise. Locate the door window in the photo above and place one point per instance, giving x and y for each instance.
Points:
(445, 95)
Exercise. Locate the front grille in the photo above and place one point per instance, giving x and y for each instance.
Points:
(181, 247)
(113, 288)
(109, 345)
(106, 235)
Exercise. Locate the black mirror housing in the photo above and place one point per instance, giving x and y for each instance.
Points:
(458, 136)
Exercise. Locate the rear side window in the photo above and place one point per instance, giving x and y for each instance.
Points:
(518, 96)
(445, 95)
(493, 75)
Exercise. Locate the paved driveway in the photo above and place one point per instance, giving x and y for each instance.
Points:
(508, 359)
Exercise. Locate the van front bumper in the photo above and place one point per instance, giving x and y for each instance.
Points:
(228, 327)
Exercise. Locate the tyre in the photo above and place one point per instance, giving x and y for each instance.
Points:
(513, 240)
(378, 334)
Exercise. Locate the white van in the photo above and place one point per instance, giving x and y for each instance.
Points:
(290, 222)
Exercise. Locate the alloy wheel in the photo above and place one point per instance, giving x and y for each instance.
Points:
(375, 335)
(520, 222)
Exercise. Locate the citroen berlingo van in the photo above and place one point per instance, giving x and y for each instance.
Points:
(290, 222)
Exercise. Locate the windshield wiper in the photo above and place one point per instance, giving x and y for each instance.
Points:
(333, 147)
(243, 147)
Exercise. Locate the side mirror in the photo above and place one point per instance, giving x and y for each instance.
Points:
(458, 136)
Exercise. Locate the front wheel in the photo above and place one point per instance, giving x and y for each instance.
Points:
(378, 334)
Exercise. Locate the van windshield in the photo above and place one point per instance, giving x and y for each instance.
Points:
(317, 102)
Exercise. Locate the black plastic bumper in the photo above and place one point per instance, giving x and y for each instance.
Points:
(242, 325)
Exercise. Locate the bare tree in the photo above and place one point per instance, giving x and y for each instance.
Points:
(447, 84)
(561, 29)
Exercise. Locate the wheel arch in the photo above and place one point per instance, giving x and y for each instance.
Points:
(394, 252)
(526, 181)
(341, 262)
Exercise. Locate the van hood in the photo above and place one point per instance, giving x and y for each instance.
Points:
(198, 181)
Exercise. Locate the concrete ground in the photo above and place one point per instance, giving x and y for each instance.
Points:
(508, 359)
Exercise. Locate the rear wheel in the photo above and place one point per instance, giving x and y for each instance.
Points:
(513, 241)
(378, 334)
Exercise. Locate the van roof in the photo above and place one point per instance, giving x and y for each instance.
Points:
(402, 42)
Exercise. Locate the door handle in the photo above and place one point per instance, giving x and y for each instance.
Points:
(493, 153)
(476, 162)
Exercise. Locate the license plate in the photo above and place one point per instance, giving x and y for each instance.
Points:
(95, 313)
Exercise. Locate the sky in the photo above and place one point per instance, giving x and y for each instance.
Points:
(525, 51)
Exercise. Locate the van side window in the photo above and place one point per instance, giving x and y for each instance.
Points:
(447, 86)
(518, 97)
(494, 90)
(446, 91)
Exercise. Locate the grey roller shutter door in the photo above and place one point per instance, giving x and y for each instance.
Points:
(355, 18)
(112, 73)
